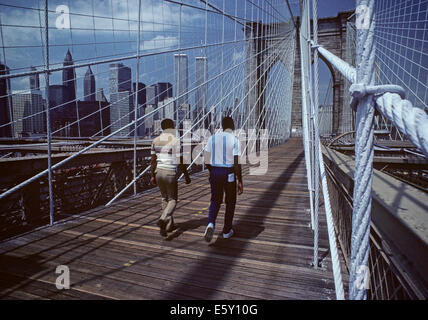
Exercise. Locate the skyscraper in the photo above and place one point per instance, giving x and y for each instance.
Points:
(34, 80)
(89, 86)
(100, 95)
(167, 109)
(164, 90)
(68, 112)
(141, 92)
(5, 104)
(149, 120)
(183, 114)
(141, 100)
(25, 104)
(120, 77)
(152, 95)
(69, 78)
(201, 93)
(121, 98)
(181, 78)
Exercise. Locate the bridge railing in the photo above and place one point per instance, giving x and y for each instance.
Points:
(389, 100)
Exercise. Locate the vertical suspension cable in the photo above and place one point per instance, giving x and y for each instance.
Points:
(98, 71)
(364, 152)
(315, 131)
(222, 55)
(48, 120)
(74, 79)
(9, 100)
(310, 118)
(320, 162)
(136, 92)
(305, 106)
(178, 85)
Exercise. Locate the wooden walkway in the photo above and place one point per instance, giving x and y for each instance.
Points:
(118, 253)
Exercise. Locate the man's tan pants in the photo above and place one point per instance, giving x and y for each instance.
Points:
(167, 182)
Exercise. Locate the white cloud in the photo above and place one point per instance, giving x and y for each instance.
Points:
(159, 42)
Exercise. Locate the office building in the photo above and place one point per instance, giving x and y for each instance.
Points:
(141, 93)
(121, 98)
(99, 96)
(96, 123)
(201, 93)
(164, 90)
(157, 127)
(69, 79)
(120, 77)
(149, 119)
(181, 79)
(89, 86)
(152, 95)
(5, 104)
(121, 108)
(167, 109)
(34, 80)
(28, 107)
(141, 100)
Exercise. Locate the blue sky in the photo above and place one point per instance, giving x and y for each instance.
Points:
(160, 31)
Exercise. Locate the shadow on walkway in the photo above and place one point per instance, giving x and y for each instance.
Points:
(220, 246)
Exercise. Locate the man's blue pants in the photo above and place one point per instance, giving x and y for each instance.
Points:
(219, 185)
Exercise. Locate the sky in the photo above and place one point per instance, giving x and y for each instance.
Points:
(21, 37)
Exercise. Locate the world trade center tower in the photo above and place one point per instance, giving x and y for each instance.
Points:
(181, 79)
(201, 77)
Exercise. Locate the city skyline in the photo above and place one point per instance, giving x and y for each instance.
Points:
(153, 71)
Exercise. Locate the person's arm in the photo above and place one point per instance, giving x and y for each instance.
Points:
(207, 155)
(183, 168)
(237, 165)
(153, 166)
(238, 174)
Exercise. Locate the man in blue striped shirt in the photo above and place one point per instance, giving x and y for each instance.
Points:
(222, 160)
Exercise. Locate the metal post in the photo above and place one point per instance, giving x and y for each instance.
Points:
(316, 131)
(206, 76)
(48, 118)
(8, 91)
(222, 54)
(137, 77)
(178, 72)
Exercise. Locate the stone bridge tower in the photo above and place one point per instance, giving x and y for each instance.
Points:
(332, 35)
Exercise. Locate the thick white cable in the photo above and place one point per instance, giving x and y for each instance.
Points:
(364, 152)
(338, 282)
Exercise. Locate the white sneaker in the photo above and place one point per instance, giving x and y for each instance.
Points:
(229, 234)
(209, 231)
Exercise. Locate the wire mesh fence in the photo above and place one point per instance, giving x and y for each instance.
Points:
(402, 47)
(107, 73)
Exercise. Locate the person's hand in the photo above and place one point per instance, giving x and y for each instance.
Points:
(153, 181)
(187, 179)
(240, 188)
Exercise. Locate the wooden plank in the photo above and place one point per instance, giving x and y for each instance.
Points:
(117, 253)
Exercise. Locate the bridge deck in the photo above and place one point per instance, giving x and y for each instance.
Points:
(118, 253)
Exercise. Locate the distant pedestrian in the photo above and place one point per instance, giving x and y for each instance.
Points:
(166, 159)
(222, 160)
